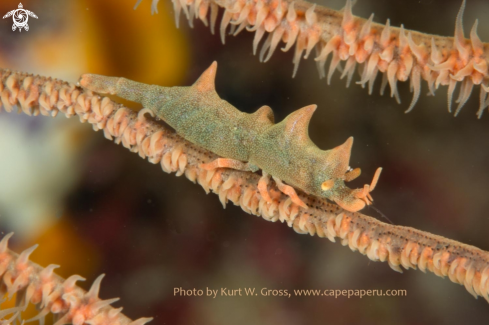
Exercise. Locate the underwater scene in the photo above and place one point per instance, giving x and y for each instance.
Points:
(324, 157)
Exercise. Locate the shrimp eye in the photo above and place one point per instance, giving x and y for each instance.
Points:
(327, 185)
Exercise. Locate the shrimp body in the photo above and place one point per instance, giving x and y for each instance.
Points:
(248, 142)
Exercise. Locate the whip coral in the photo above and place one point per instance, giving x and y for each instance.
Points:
(52, 294)
(398, 53)
(397, 245)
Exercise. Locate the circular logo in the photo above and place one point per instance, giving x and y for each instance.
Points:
(20, 18)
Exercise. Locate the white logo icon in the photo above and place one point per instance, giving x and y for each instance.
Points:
(20, 16)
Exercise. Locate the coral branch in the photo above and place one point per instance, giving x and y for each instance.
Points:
(399, 246)
(52, 294)
(398, 53)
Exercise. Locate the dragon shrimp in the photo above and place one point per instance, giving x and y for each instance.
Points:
(247, 141)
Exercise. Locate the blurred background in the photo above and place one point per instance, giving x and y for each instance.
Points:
(94, 207)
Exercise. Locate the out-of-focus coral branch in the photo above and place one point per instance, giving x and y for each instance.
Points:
(399, 246)
(40, 286)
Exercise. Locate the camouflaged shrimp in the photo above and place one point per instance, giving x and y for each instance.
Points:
(247, 141)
